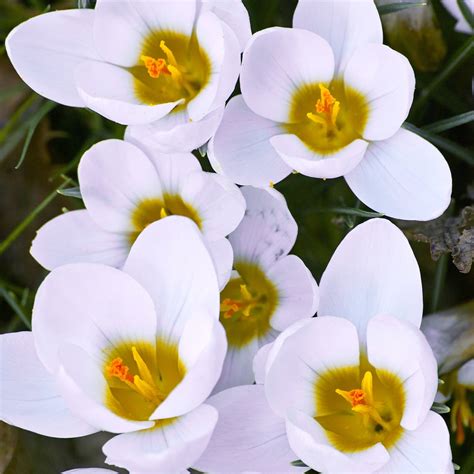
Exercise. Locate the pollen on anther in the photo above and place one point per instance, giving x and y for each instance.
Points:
(118, 369)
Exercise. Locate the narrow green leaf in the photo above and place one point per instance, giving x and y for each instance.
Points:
(298, 463)
(440, 277)
(39, 115)
(443, 143)
(71, 192)
(397, 7)
(466, 12)
(449, 123)
(11, 300)
(440, 408)
(348, 211)
(18, 230)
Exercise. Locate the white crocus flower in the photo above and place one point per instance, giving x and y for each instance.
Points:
(90, 470)
(327, 99)
(125, 190)
(350, 390)
(462, 25)
(134, 353)
(268, 290)
(168, 63)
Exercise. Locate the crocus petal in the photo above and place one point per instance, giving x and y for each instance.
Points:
(415, 365)
(248, 435)
(89, 305)
(424, 450)
(404, 177)
(74, 237)
(278, 61)
(373, 271)
(85, 391)
(121, 26)
(235, 15)
(89, 470)
(223, 257)
(175, 132)
(30, 398)
(298, 293)
(386, 80)
(267, 232)
(218, 202)
(109, 91)
(170, 260)
(241, 149)
(322, 344)
(115, 176)
(45, 51)
(202, 349)
(466, 374)
(310, 443)
(346, 25)
(210, 34)
(260, 362)
(310, 163)
(170, 447)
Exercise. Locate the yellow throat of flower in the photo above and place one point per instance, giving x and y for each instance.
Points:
(247, 304)
(327, 117)
(171, 67)
(357, 413)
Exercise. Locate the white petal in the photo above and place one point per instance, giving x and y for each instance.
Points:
(466, 375)
(309, 441)
(175, 132)
(310, 163)
(172, 447)
(404, 177)
(276, 63)
(386, 80)
(248, 435)
(425, 450)
(267, 232)
(260, 362)
(320, 345)
(210, 34)
(373, 271)
(345, 24)
(202, 349)
(235, 15)
(241, 149)
(74, 237)
(46, 49)
(298, 293)
(115, 176)
(218, 202)
(30, 398)
(109, 91)
(172, 263)
(85, 390)
(415, 365)
(89, 470)
(121, 26)
(89, 305)
(223, 259)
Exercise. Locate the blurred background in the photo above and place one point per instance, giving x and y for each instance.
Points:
(41, 144)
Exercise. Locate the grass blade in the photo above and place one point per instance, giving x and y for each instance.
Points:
(466, 12)
(71, 192)
(11, 300)
(348, 211)
(397, 7)
(448, 124)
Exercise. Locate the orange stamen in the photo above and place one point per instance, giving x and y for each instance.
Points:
(155, 67)
(118, 369)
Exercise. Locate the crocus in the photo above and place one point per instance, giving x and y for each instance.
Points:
(133, 352)
(125, 190)
(326, 98)
(350, 390)
(268, 289)
(162, 62)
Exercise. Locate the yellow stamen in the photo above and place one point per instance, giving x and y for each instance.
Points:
(143, 369)
(163, 213)
(245, 305)
(327, 109)
(461, 414)
(169, 54)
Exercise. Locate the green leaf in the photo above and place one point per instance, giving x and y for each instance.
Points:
(298, 463)
(466, 12)
(397, 7)
(15, 306)
(449, 123)
(38, 116)
(440, 408)
(348, 211)
(71, 192)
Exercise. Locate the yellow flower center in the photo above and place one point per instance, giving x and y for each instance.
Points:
(171, 67)
(461, 414)
(366, 412)
(247, 305)
(152, 210)
(327, 117)
(140, 377)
